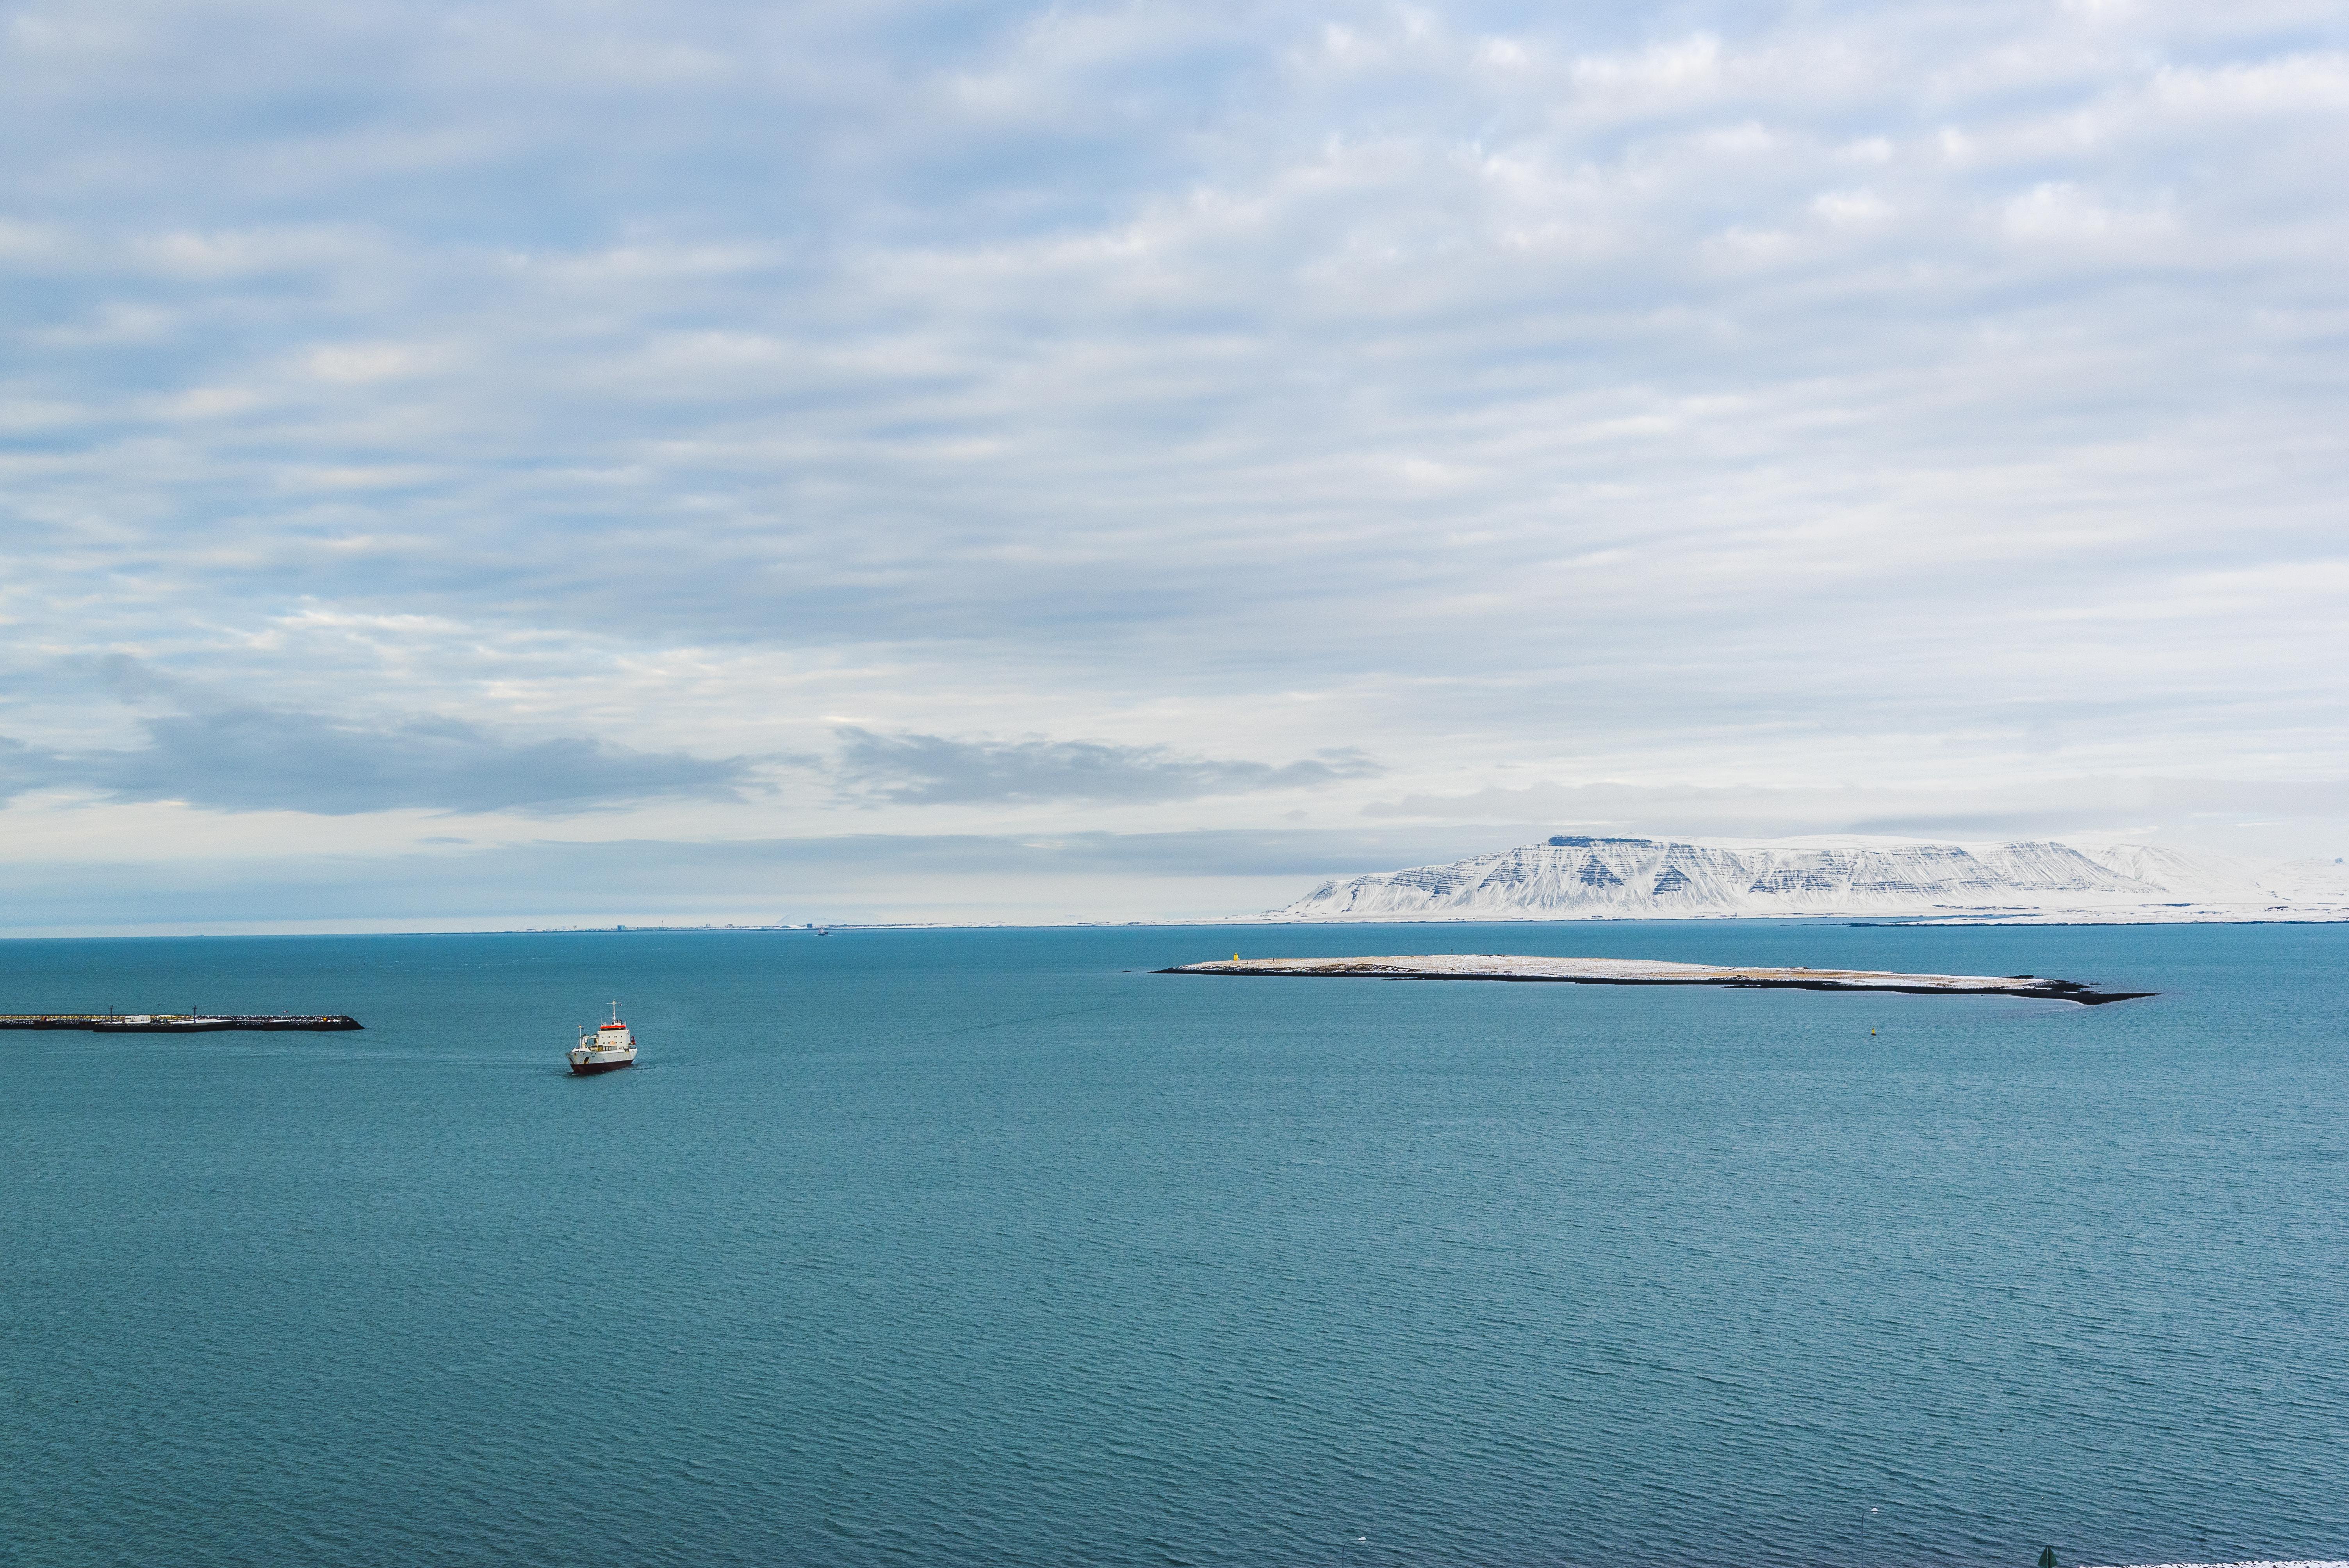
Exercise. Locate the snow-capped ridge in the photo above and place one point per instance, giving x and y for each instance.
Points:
(1583, 876)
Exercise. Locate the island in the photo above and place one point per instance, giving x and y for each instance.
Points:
(1653, 971)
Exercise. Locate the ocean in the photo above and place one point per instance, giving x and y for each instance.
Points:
(992, 1247)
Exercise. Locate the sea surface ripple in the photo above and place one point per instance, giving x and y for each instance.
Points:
(991, 1247)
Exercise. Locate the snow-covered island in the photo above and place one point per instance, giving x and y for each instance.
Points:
(1653, 971)
(1580, 877)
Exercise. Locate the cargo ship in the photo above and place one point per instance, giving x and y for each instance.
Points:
(604, 1046)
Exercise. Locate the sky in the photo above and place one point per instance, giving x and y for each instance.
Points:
(518, 464)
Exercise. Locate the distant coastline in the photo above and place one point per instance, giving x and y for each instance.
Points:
(1953, 921)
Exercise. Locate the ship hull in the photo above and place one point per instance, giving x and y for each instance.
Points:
(589, 1069)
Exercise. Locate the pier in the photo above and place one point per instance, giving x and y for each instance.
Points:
(177, 1023)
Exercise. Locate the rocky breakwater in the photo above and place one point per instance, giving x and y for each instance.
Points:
(1653, 971)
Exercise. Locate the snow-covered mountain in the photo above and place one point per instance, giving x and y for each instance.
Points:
(1577, 877)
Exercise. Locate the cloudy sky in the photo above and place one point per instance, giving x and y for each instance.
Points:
(526, 463)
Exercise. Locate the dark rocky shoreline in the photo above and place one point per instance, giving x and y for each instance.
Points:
(1636, 972)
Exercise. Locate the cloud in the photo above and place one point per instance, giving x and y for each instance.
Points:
(261, 760)
(1942, 398)
(2180, 808)
(908, 769)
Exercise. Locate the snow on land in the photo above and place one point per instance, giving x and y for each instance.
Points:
(1574, 876)
(2313, 880)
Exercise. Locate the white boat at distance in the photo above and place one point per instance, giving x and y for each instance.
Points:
(604, 1046)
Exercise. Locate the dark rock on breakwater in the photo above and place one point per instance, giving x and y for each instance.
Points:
(177, 1023)
(1655, 972)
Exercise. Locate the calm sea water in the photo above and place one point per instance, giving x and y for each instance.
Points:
(988, 1247)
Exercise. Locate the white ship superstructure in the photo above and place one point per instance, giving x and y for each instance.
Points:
(604, 1046)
